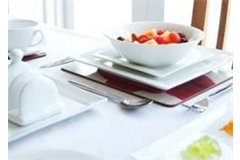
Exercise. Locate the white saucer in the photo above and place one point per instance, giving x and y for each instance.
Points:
(53, 155)
(34, 50)
(196, 57)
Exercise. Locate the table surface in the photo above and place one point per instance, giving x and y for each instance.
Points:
(107, 131)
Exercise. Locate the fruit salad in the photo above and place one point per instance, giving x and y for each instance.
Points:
(229, 128)
(156, 37)
(206, 148)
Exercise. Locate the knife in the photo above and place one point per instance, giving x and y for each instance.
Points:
(69, 59)
(58, 62)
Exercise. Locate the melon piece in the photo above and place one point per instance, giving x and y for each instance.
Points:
(151, 33)
(206, 148)
(151, 42)
(128, 38)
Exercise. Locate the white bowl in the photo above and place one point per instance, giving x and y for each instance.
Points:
(150, 55)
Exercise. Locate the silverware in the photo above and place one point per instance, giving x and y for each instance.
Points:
(58, 62)
(125, 103)
(70, 59)
(203, 105)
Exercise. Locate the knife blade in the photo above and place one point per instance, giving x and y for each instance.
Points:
(69, 59)
(58, 62)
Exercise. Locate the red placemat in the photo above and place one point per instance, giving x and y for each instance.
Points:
(168, 98)
(33, 56)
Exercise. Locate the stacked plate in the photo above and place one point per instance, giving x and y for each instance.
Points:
(202, 61)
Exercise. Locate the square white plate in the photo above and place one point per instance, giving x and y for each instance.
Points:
(218, 59)
(196, 56)
(170, 147)
(172, 150)
(53, 154)
(71, 97)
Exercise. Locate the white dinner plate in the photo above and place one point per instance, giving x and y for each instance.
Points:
(196, 56)
(218, 59)
(53, 155)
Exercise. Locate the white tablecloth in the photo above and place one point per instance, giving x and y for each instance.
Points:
(106, 131)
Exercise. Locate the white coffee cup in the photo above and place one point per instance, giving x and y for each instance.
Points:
(22, 34)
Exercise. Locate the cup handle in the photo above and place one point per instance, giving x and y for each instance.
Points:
(35, 33)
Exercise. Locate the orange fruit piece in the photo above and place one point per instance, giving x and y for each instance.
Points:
(229, 128)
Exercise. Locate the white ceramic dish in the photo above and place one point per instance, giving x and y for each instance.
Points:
(172, 151)
(161, 72)
(24, 34)
(215, 129)
(170, 147)
(32, 96)
(73, 105)
(218, 59)
(72, 108)
(53, 155)
(149, 55)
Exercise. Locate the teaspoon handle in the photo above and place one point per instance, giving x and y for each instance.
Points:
(96, 91)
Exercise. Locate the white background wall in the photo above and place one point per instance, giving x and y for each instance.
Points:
(93, 16)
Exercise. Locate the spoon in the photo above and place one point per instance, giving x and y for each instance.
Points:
(125, 103)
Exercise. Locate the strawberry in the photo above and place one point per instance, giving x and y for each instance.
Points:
(143, 38)
(160, 31)
(161, 40)
(174, 37)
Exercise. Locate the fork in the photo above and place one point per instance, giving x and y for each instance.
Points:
(203, 105)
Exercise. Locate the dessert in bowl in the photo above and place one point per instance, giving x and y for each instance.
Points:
(154, 44)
